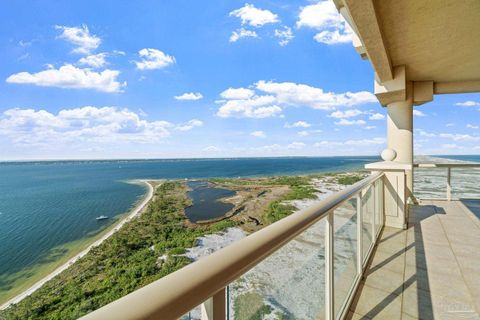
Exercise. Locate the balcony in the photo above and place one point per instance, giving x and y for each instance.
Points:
(338, 260)
(429, 271)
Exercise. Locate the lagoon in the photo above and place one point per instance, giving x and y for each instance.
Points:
(206, 201)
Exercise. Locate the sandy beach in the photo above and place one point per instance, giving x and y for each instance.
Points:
(133, 213)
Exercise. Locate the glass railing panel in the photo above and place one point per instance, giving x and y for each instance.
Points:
(289, 284)
(430, 183)
(194, 314)
(344, 251)
(368, 211)
(464, 182)
(378, 186)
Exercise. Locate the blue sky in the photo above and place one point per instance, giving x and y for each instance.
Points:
(163, 79)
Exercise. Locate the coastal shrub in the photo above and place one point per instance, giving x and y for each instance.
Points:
(291, 180)
(277, 211)
(222, 225)
(349, 179)
(301, 192)
(177, 251)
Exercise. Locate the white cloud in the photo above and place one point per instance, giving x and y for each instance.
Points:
(334, 36)
(25, 44)
(23, 56)
(242, 33)
(459, 137)
(418, 113)
(94, 60)
(153, 59)
(369, 127)
(108, 125)
(258, 134)
(69, 76)
(352, 142)
(469, 103)
(346, 114)
(325, 143)
(293, 94)
(80, 37)
(345, 122)
(142, 113)
(298, 124)
(189, 125)
(424, 133)
(450, 125)
(284, 35)
(189, 96)
(303, 133)
(296, 145)
(273, 96)
(255, 107)
(366, 142)
(212, 149)
(377, 116)
(471, 126)
(324, 17)
(254, 17)
(451, 146)
(237, 93)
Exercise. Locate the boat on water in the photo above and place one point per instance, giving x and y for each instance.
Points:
(101, 218)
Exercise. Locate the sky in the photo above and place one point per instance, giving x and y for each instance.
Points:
(178, 79)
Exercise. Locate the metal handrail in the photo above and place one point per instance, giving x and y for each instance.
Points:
(449, 167)
(177, 293)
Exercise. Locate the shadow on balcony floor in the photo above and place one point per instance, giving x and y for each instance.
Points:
(430, 271)
(473, 205)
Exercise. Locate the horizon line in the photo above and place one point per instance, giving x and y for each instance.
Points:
(212, 158)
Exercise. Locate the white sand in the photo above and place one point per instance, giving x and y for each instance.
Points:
(136, 211)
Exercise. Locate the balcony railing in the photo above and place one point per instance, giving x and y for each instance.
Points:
(460, 180)
(333, 240)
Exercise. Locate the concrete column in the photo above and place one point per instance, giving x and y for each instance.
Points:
(400, 132)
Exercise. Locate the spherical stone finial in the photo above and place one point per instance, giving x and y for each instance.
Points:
(389, 154)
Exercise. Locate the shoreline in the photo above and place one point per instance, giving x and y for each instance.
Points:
(137, 210)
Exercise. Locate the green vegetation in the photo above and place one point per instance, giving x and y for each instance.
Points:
(126, 261)
(300, 188)
(250, 306)
(277, 211)
(349, 179)
(269, 181)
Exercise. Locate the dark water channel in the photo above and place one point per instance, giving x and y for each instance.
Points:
(205, 201)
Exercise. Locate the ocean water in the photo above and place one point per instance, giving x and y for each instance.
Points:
(46, 205)
(470, 158)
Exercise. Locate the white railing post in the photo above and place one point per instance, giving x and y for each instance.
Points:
(215, 307)
(359, 234)
(449, 184)
(329, 273)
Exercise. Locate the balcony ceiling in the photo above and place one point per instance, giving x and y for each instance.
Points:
(437, 40)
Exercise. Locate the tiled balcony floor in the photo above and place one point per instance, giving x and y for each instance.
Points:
(430, 271)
